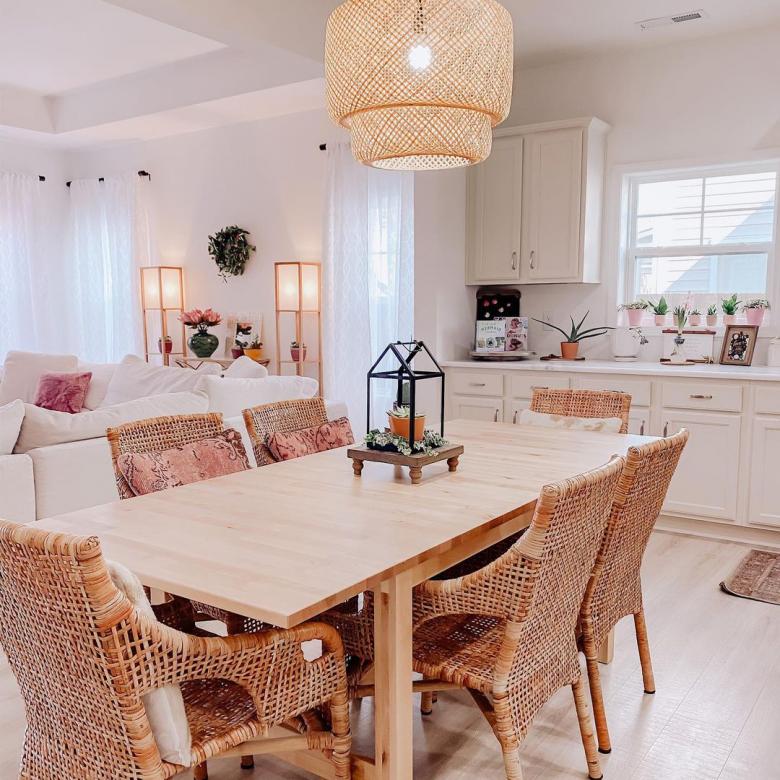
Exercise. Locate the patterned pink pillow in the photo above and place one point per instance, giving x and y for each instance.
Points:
(63, 392)
(307, 441)
(150, 472)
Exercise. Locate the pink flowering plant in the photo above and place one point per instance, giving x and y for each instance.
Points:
(200, 320)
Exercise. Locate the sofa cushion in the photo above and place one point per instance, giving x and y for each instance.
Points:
(63, 392)
(11, 416)
(150, 472)
(17, 488)
(307, 441)
(232, 396)
(164, 706)
(543, 420)
(23, 370)
(245, 368)
(98, 385)
(134, 378)
(43, 428)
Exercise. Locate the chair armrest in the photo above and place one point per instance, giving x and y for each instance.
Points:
(269, 665)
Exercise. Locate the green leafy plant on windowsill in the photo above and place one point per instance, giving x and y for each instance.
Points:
(730, 305)
(661, 309)
(389, 442)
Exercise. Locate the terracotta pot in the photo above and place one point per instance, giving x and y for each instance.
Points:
(635, 317)
(712, 320)
(754, 316)
(695, 320)
(660, 320)
(400, 426)
(298, 354)
(569, 349)
(729, 319)
(254, 354)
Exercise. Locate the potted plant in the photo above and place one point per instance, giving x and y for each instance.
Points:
(660, 310)
(754, 310)
(202, 343)
(729, 307)
(398, 419)
(230, 250)
(712, 316)
(255, 350)
(297, 352)
(635, 311)
(680, 317)
(570, 347)
(695, 318)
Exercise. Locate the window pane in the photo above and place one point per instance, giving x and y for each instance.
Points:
(714, 274)
(749, 191)
(669, 230)
(738, 227)
(670, 197)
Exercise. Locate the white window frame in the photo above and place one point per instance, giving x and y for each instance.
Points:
(630, 252)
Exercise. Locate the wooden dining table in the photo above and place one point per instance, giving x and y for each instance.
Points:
(285, 542)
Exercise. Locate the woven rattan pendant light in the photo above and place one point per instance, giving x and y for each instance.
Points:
(419, 83)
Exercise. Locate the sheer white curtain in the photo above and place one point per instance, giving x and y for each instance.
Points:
(368, 277)
(108, 241)
(33, 309)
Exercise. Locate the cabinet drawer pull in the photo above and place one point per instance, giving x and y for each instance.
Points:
(495, 416)
(514, 418)
(539, 387)
(514, 261)
(642, 428)
(666, 430)
(533, 259)
(700, 397)
(477, 384)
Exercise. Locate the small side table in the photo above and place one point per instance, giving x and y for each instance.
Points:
(449, 452)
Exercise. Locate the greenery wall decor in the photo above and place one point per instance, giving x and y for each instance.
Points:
(230, 250)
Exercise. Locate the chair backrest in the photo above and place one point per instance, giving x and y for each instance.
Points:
(158, 433)
(73, 645)
(583, 403)
(281, 417)
(615, 587)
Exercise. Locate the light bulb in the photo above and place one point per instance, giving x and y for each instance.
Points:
(420, 56)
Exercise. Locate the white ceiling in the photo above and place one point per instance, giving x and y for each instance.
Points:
(86, 71)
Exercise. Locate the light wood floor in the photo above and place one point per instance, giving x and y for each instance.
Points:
(716, 715)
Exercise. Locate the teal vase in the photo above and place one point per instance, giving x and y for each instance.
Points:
(202, 343)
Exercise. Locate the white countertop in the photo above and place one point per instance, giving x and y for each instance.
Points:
(699, 371)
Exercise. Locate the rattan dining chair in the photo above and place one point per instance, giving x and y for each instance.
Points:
(84, 657)
(582, 403)
(281, 417)
(615, 588)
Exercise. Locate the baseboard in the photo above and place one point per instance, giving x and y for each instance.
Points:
(727, 532)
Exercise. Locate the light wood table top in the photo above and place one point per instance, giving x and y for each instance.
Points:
(284, 542)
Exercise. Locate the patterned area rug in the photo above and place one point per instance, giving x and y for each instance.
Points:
(757, 577)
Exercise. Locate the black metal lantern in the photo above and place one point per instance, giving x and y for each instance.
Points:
(405, 352)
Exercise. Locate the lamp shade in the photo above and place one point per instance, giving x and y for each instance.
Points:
(419, 83)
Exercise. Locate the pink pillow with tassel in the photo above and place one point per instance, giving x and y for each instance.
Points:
(63, 392)
(307, 441)
(150, 472)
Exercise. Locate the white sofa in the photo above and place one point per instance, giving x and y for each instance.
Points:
(41, 481)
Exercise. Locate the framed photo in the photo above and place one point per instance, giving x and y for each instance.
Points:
(739, 343)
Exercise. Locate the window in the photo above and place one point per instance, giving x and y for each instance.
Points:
(706, 233)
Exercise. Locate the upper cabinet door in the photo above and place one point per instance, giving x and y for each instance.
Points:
(494, 207)
(552, 206)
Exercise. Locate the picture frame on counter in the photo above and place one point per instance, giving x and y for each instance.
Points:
(739, 344)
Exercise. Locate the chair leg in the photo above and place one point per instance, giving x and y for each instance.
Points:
(342, 737)
(586, 730)
(247, 762)
(644, 651)
(427, 699)
(597, 699)
(201, 772)
(500, 718)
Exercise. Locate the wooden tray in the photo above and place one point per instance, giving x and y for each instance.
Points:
(449, 452)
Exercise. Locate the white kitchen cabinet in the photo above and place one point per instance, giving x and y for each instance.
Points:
(463, 407)
(494, 201)
(534, 206)
(707, 478)
(764, 483)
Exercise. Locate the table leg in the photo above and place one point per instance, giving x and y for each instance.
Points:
(357, 466)
(393, 678)
(607, 649)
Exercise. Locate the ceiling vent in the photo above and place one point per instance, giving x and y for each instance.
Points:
(665, 21)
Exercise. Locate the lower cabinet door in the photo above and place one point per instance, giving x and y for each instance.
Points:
(513, 408)
(764, 482)
(463, 407)
(706, 480)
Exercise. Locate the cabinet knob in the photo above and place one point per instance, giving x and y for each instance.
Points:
(514, 261)
(642, 428)
(514, 418)
(495, 416)
(533, 259)
(700, 397)
(666, 430)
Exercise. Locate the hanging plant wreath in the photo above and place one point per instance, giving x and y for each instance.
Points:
(230, 250)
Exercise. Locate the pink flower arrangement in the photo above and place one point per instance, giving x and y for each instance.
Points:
(200, 319)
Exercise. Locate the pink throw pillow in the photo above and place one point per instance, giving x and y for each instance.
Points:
(63, 392)
(150, 472)
(307, 441)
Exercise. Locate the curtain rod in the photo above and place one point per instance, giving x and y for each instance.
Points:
(102, 178)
